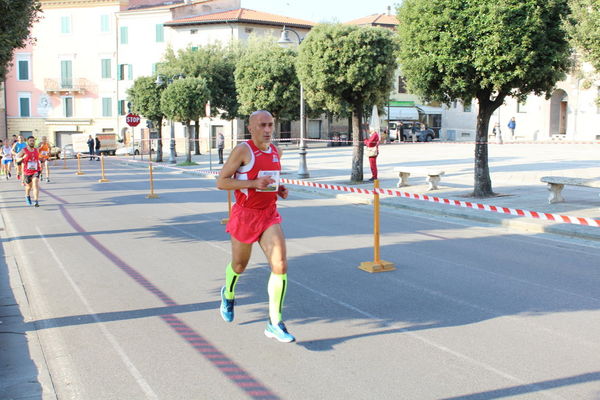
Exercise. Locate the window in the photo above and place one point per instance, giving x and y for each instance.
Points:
(66, 73)
(193, 31)
(122, 107)
(24, 105)
(106, 73)
(467, 107)
(104, 23)
(124, 35)
(125, 72)
(67, 106)
(160, 33)
(65, 24)
(522, 106)
(194, 48)
(23, 69)
(107, 107)
(401, 85)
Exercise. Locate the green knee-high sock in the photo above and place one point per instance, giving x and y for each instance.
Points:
(231, 279)
(276, 288)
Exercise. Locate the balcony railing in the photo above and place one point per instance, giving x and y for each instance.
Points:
(65, 86)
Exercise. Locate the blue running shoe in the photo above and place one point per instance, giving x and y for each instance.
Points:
(279, 332)
(28, 200)
(226, 307)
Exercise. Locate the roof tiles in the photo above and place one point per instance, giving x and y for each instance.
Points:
(243, 15)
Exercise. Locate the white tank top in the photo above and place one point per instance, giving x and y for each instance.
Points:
(7, 151)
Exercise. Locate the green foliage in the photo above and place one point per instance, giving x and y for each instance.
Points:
(483, 49)
(16, 20)
(584, 29)
(184, 99)
(457, 49)
(342, 66)
(265, 77)
(348, 68)
(144, 97)
(215, 64)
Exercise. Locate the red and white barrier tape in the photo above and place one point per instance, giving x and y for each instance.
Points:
(415, 196)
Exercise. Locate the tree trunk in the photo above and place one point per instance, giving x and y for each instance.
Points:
(276, 133)
(159, 150)
(482, 182)
(188, 148)
(357, 144)
(197, 138)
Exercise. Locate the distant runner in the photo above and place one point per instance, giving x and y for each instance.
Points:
(7, 159)
(252, 170)
(30, 160)
(44, 150)
(17, 147)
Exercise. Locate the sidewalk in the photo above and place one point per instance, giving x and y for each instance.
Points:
(515, 171)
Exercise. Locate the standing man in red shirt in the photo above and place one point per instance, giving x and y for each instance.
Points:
(253, 171)
(29, 158)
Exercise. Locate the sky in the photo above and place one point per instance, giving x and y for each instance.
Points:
(322, 10)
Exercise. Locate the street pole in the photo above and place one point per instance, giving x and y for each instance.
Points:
(172, 159)
(302, 169)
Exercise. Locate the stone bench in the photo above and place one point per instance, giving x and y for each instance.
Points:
(433, 176)
(557, 183)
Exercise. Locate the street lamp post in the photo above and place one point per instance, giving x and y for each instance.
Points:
(284, 40)
(161, 82)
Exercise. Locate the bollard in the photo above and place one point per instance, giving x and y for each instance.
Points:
(78, 164)
(226, 220)
(377, 265)
(151, 195)
(103, 178)
(65, 162)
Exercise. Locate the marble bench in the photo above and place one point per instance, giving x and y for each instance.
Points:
(433, 175)
(557, 183)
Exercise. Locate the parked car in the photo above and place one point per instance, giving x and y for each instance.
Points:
(128, 150)
(421, 135)
(67, 151)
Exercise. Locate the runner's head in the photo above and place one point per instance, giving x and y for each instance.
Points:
(20, 138)
(31, 141)
(261, 127)
(44, 139)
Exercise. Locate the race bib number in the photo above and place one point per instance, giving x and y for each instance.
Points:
(44, 153)
(32, 165)
(273, 187)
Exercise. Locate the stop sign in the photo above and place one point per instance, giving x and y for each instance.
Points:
(132, 119)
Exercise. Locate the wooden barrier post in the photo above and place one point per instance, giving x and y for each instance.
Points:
(103, 178)
(377, 265)
(78, 164)
(151, 195)
(226, 220)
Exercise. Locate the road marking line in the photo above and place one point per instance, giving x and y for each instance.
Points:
(143, 384)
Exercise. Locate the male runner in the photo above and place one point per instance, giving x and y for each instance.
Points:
(252, 170)
(17, 147)
(30, 160)
(44, 150)
(7, 158)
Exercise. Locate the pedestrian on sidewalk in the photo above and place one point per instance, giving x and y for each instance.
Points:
(220, 146)
(372, 150)
(29, 157)
(252, 171)
(91, 144)
(97, 149)
(512, 124)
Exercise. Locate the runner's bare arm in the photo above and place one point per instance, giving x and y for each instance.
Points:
(283, 191)
(20, 156)
(238, 157)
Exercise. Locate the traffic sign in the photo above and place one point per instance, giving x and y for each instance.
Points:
(132, 119)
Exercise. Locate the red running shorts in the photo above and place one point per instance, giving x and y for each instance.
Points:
(248, 224)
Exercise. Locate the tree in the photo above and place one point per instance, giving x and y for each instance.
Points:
(144, 97)
(215, 64)
(482, 49)
(347, 67)
(265, 78)
(584, 29)
(183, 101)
(16, 20)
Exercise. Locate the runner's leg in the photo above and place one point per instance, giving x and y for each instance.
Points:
(272, 243)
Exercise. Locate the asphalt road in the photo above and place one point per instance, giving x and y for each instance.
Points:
(124, 295)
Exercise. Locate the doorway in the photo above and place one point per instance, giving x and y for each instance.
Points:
(214, 132)
(559, 107)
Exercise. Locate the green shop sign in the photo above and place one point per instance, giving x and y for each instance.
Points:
(401, 103)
